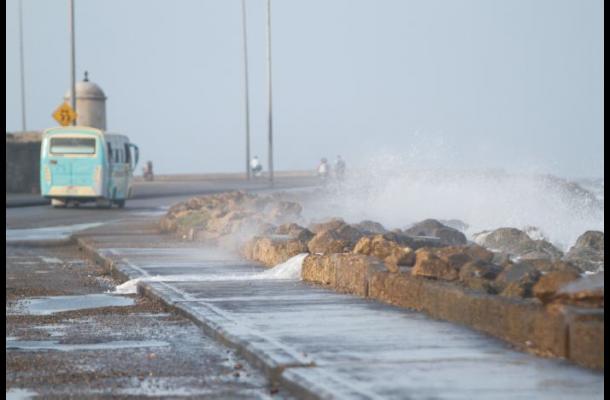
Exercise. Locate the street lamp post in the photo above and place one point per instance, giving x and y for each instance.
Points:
(270, 138)
(21, 66)
(246, 90)
(72, 59)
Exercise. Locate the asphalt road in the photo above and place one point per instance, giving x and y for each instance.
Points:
(137, 350)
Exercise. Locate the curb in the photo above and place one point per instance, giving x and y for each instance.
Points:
(207, 319)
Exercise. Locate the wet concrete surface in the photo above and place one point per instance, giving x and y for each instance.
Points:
(132, 347)
(334, 344)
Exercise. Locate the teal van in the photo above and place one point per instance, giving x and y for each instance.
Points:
(81, 164)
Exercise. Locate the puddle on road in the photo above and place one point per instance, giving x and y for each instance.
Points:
(54, 304)
(47, 233)
(38, 345)
(20, 394)
(288, 270)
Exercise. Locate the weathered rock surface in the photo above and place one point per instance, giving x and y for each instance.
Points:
(390, 252)
(445, 262)
(517, 280)
(548, 284)
(588, 251)
(431, 227)
(587, 291)
(338, 239)
(517, 243)
(273, 250)
(429, 265)
(479, 275)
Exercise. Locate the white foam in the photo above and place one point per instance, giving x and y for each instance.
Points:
(288, 270)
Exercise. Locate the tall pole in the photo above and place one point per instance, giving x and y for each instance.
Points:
(72, 60)
(246, 91)
(270, 92)
(21, 66)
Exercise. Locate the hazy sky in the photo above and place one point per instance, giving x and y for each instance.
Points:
(516, 84)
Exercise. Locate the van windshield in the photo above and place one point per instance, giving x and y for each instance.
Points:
(73, 145)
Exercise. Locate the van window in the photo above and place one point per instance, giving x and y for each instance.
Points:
(72, 146)
(116, 156)
(127, 154)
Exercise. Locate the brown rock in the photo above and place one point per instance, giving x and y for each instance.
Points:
(390, 252)
(550, 283)
(428, 265)
(328, 242)
(337, 240)
(479, 275)
(273, 250)
(331, 224)
(517, 280)
(587, 291)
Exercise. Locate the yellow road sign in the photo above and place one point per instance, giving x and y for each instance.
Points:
(64, 114)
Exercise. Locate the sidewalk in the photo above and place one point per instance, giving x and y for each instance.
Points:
(327, 345)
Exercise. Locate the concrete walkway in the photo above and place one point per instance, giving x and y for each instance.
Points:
(328, 345)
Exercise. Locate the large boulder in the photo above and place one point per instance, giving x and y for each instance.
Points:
(446, 262)
(588, 251)
(340, 239)
(273, 250)
(431, 227)
(549, 284)
(517, 280)
(429, 265)
(587, 291)
(390, 252)
(516, 243)
(479, 275)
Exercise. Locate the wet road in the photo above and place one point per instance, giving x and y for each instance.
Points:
(136, 349)
(338, 344)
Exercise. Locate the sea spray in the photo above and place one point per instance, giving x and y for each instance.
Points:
(396, 194)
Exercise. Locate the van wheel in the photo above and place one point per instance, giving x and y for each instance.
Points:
(56, 203)
(120, 203)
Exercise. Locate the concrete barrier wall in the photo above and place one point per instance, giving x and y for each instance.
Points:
(22, 166)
